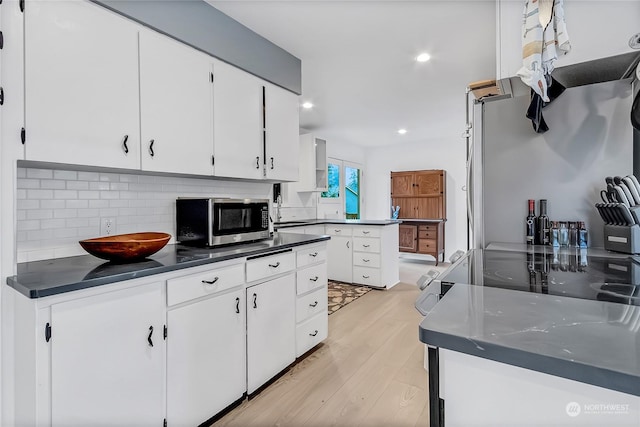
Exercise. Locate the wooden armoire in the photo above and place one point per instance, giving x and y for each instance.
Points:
(421, 196)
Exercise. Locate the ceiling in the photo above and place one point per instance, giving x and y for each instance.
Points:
(359, 68)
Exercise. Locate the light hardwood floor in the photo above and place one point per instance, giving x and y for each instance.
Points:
(369, 372)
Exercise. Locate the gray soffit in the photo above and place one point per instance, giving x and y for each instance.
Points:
(601, 70)
(205, 28)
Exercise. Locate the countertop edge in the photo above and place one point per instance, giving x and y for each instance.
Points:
(373, 222)
(577, 371)
(14, 283)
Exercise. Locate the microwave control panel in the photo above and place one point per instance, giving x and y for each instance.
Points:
(265, 219)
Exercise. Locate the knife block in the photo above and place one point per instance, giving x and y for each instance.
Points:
(622, 238)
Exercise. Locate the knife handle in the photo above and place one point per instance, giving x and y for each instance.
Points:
(626, 213)
(632, 189)
(620, 196)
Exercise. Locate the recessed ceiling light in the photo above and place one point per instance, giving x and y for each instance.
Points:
(423, 57)
(402, 131)
(307, 105)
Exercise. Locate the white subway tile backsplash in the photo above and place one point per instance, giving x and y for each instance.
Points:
(39, 214)
(65, 175)
(88, 176)
(39, 194)
(65, 194)
(52, 184)
(65, 213)
(98, 185)
(56, 208)
(77, 185)
(40, 173)
(52, 223)
(76, 204)
(52, 204)
(28, 183)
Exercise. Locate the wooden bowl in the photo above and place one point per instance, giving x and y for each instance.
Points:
(126, 247)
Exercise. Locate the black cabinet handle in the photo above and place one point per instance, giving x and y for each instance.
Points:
(365, 232)
(347, 243)
(1, 40)
(276, 265)
(313, 279)
(365, 246)
(365, 260)
(1, 96)
(365, 277)
(124, 144)
(315, 254)
(149, 337)
(151, 148)
(237, 305)
(257, 162)
(255, 298)
(272, 163)
(210, 282)
(314, 333)
(314, 304)
(337, 231)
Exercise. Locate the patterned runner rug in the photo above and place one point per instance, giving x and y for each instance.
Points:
(341, 294)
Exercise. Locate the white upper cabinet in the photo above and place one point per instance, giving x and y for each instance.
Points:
(584, 25)
(281, 130)
(176, 106)
(81, 85)
(237, 100)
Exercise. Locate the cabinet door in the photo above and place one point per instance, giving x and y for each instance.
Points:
(402, 184)
(281, 133)
(206, 369)
(339, 259)
(408, 207)
(103, 364)
(271, 336)
(176, 106)
(408, 236)
(237, 116)
(429, 183)
(429, 207)
(81, 85)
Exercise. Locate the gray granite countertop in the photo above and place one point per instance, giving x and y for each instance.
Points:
(39, 279)
(595, 342)
(302, 223)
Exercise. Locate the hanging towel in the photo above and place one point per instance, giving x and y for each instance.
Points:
(534, 112)
(540, 46)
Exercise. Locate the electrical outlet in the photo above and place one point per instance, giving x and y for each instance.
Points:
(107, 226)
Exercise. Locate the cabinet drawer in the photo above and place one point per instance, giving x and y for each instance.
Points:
(364, 244)
(261, 268)
(336, 230)
(366, 259)
(366, 276)
(198, 285)
(366, 231)
(311, 278)
(311, 332)
(427, 246)
(428, 227)
(306, 257)
(311, 304)
(428, 234)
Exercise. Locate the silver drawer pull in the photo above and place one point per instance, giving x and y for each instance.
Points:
(365, 246)
(365, 277)
(313, 279)
(210, 282)
(315, 254)
(365, 232)
(315, 303)
(365, 260)
(276, 265)
(314, 333)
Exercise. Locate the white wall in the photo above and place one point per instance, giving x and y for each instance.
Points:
(432, 154)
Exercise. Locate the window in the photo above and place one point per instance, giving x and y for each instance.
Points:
(352, 192)
(333, 178)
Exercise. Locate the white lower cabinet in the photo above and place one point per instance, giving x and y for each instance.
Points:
(270, 329)
(339, 250)
(107, 359)
(312, 321)
(205, 358)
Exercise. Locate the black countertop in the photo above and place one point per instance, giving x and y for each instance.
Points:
(39, 279)
(302, 223)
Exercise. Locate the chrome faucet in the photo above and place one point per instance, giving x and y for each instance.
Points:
(278, 208)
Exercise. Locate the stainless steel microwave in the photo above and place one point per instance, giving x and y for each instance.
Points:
(213, 222)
